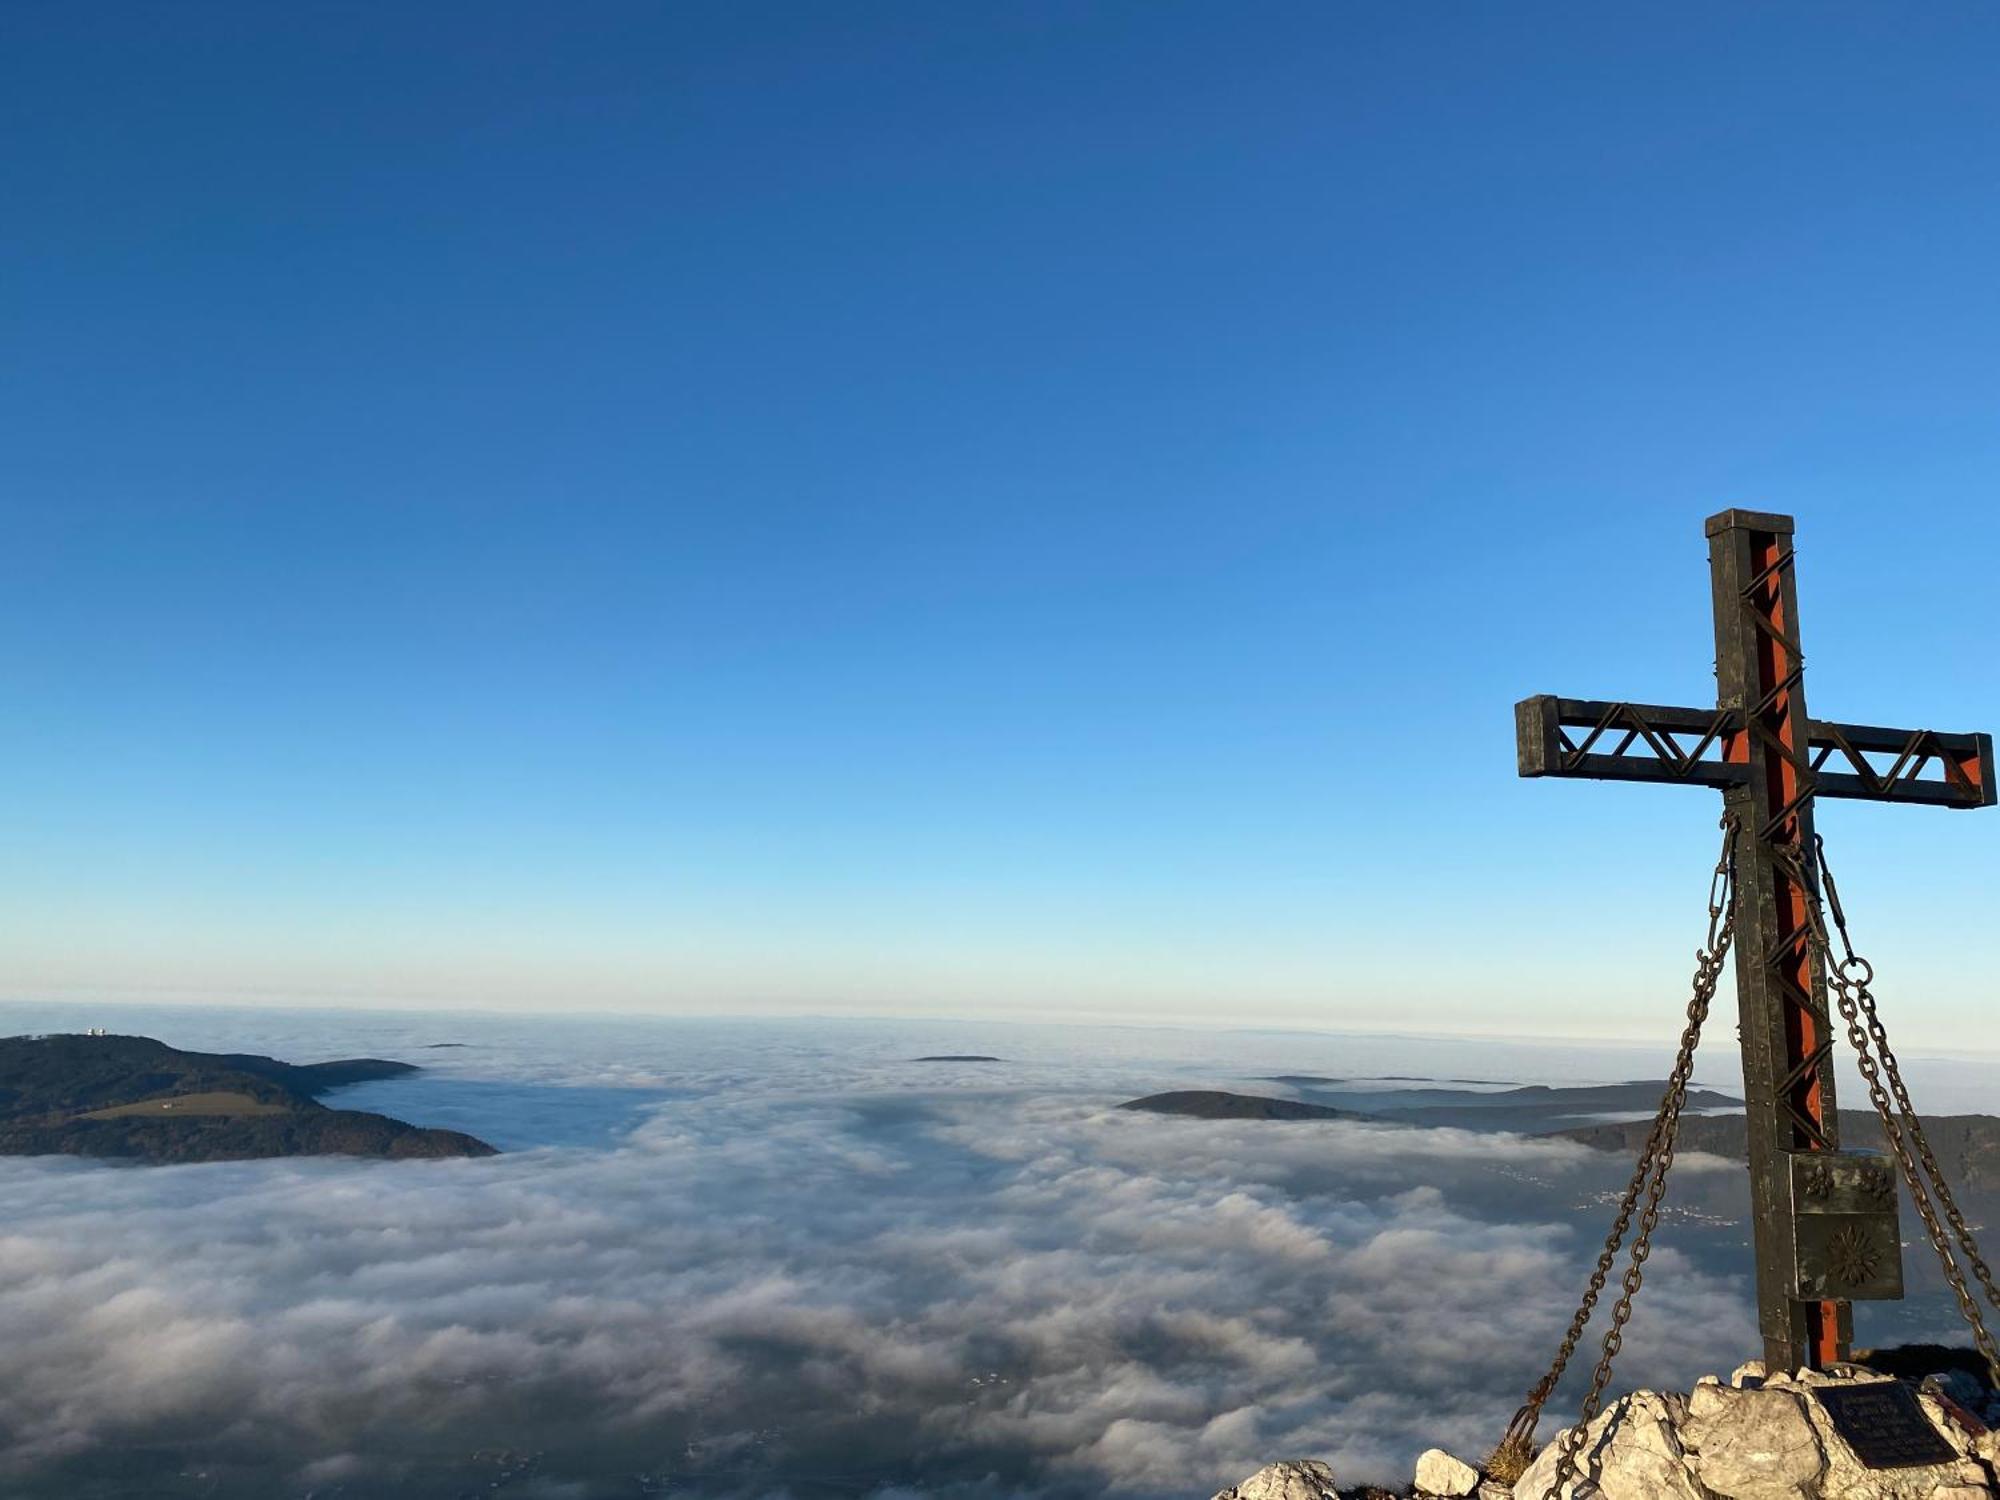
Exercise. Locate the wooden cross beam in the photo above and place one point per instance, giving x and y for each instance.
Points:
(1771, 762)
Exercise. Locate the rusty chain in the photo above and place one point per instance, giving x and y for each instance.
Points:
(1649, 1179)
(1850, 977)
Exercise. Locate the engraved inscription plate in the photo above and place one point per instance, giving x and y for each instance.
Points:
(1847, 1244)
(1884, 1424)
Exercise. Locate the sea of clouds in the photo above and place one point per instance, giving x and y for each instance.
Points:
(780, 1258)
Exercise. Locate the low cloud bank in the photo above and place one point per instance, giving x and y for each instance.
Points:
(952, 1294)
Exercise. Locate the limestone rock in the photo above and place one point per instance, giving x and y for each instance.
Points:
(1630, 1452)
(1438, 1473)
(1708, 1400)
(1941, 1418)
(1296, 1479)
(1757, 1438)
(1750, 1373)
(1971, 1396)
(1752, 1444)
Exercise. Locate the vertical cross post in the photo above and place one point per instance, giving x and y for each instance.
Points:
(1780, 982)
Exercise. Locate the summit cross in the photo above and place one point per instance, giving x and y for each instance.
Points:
(1770, 761)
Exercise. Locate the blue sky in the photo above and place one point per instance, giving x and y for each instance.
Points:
(1011, 510)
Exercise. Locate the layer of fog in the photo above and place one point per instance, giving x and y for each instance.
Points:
(783, 1259)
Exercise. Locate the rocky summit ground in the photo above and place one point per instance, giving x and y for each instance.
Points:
(1752, 1437)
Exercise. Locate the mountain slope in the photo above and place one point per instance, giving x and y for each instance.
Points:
(134, 1098)
(1213, 1104)
(1967, 1146)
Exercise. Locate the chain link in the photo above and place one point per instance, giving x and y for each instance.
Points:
(1649, 1179)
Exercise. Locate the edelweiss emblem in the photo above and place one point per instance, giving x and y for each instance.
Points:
(1853, 1256)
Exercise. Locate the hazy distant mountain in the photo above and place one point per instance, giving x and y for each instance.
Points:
(1967, 1146)
(1315, 1079)
(1533, 1109)
(1530, 1110)
(135, 1098)
(1212, 1104)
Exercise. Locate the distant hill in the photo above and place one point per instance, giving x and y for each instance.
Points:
(1521, 1110)
(1312, 1079)
(1212, 1104)
(1967, 1146)
(1528, 1110)
(956, 1057)
(134, 1098)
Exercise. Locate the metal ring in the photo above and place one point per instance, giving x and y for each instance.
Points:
(1848, 967)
